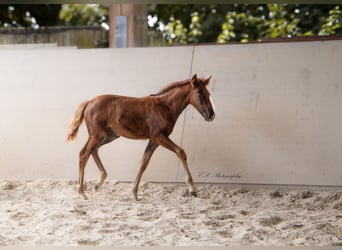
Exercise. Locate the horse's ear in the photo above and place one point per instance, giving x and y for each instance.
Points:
(194, 80)
(208, 80)
(194, 77)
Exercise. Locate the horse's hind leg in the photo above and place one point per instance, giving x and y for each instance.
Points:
(103, 174)
(84, 156)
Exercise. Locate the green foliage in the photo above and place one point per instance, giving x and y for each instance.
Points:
(227, 33)
(240, 27)
(281, 22)
(38, 15)
(195, 28)
(29, 15)
(176, 30)
(193, 23)
(245, 22)
(332, 25)
(83, 14)
(208, 20)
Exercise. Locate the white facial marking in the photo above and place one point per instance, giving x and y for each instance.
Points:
(212, 104)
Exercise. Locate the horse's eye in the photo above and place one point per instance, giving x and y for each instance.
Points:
(200, 96)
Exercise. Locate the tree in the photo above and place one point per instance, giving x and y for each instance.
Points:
(244, 22)
(39, 15)
(83, 14)
(29, 15)
(332, 25)
(193, 23)
(177, 21)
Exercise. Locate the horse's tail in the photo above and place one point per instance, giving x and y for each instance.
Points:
(76, 121)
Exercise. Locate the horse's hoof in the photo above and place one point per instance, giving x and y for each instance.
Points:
(135, 194)
(96, 187)
(190, 193)
(83, 196)
(193, 193)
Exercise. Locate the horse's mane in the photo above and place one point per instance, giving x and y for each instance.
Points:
(171, 86)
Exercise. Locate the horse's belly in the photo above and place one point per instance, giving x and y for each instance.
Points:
(133, 128)
(131, 133)
(129, 119)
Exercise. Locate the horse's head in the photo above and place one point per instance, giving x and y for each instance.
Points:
(200, 97)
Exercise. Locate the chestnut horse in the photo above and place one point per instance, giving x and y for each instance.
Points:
(153, 117)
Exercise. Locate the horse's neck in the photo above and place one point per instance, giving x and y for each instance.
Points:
(177, 99)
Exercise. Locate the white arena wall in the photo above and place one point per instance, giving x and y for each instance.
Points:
(278, 112)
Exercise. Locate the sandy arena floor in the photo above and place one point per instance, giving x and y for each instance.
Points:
(49, 212)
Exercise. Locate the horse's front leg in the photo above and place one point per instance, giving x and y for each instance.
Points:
(150, 148)
(167, 143)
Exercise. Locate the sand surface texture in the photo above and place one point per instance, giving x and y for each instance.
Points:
(49, 212)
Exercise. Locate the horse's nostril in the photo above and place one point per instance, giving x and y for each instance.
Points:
(211, 117)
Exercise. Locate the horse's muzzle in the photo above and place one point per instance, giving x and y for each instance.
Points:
(209, 115)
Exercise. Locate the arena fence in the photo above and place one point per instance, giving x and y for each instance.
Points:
(278, 109)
